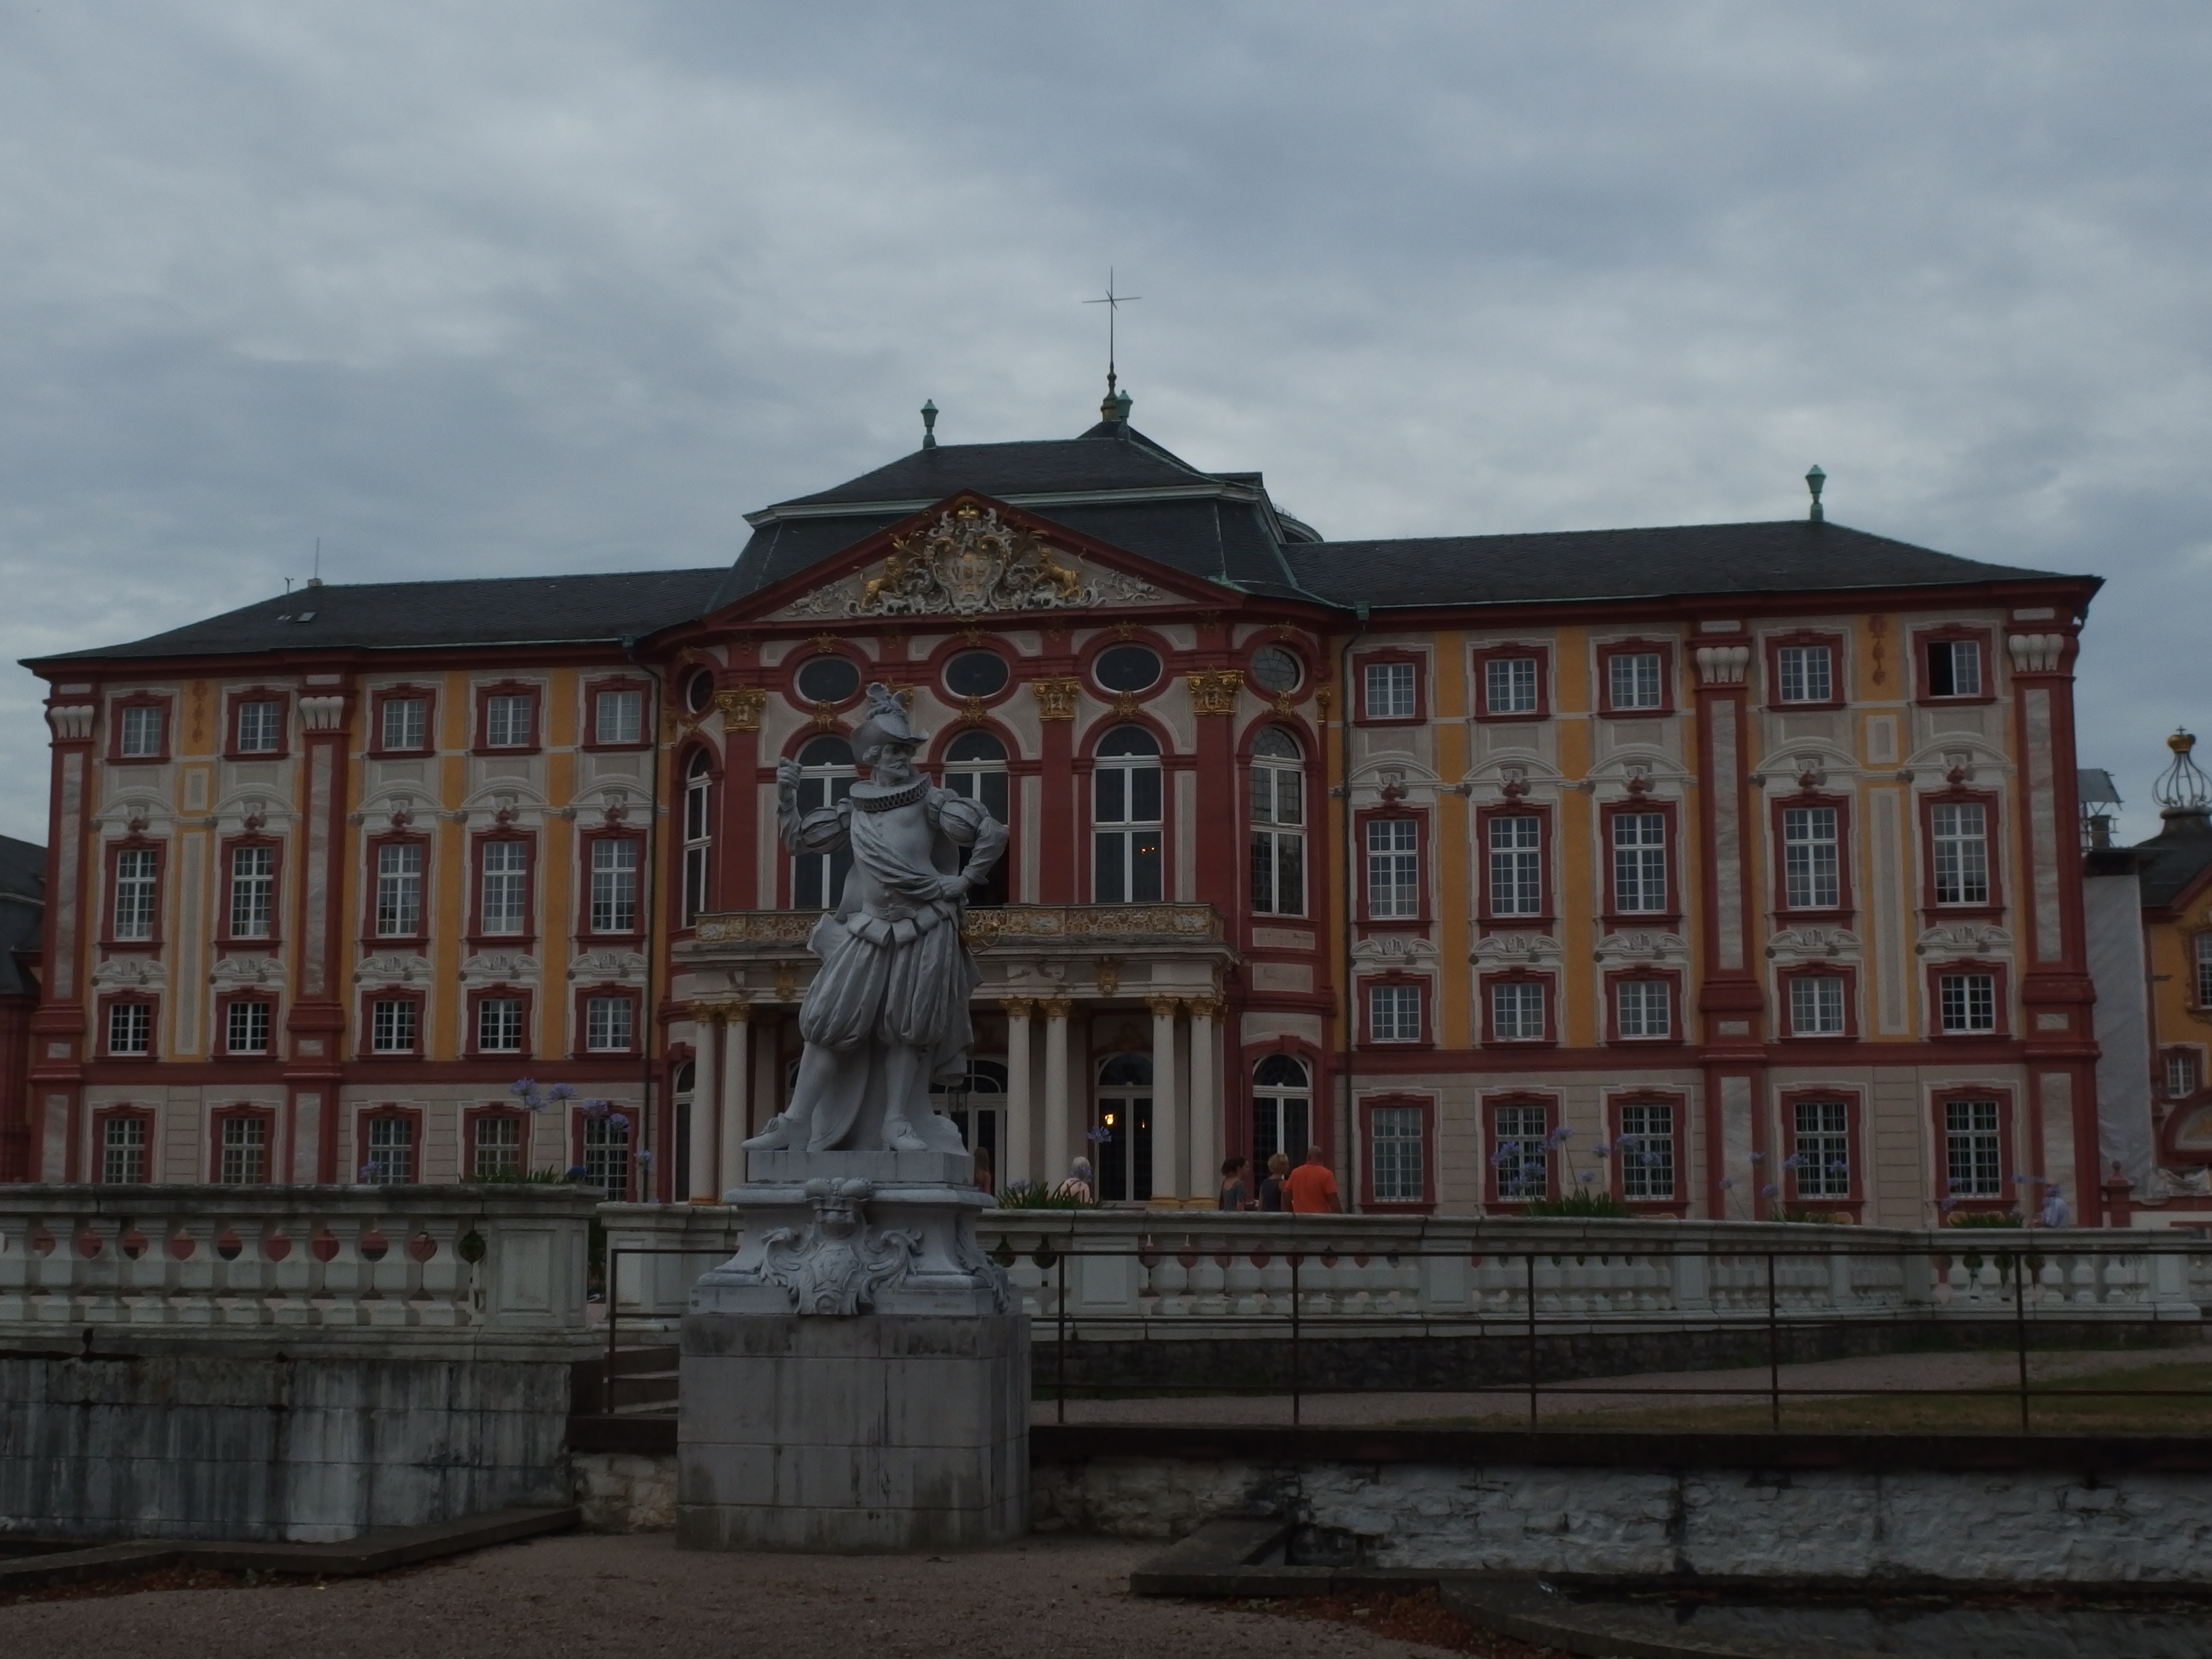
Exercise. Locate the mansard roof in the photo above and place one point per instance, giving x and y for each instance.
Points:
(2171, 862)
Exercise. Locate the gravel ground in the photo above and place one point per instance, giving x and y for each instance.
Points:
(611, 1598)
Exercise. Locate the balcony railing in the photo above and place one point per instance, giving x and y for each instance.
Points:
(1025, 925)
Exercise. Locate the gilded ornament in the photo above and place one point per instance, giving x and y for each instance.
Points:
(1214, 693)
(741, 707)
(1056, 698)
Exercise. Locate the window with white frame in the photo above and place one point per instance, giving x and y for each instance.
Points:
(1393, 868)
(1811, 857)
(1954, 668)
(1395, 1154)
(607, 1024)
(390, 1151)
(1816, 1004)
(1639, 861)
(141, 736)
(136, 872)
(975, 769)
(1967, 1002)
(1644, 1149)
(1516, 864)
(607, 1153)
(405, 723)
(1973, 1153)
(504, 892)
(1393, 1013)
(1961, 832)
(614, 886)
(1392, 691)
(507, 720)
(246, 1027)
(2180, 1073)
(826, 775)
(400, 890)
(261, 727)
(392, 1025)
(1632, 680)
(1127, 821)
(123, 1151)
(129, 1028)
(1509, 685)
(1523, 1152)
(1806, 673)
(1278, 819)
(498, 1147)
(699, 833)
(1644, 1008)
(498, 1025)
(252, 891)
(2203, 947)
(618, 715)
(243, 1154)
(1516, 1010)
(1819, 1162)
(1282, 1109)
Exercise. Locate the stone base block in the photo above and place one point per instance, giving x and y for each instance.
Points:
(856, 1434)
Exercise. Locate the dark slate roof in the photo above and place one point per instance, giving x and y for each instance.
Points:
(2173, 858)
(393, 615)
(23, 907)
(1100, 459)
(1793, 554)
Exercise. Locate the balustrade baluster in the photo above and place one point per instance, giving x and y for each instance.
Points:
(441, 1284)
(97, 1247)
(344, 1279)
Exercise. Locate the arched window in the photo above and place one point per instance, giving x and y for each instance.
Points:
(975, 767)
(698, 832)
(1278, 824)
(825, 777)
(1125, 819)
(1282, 1109)
(1122, 1139)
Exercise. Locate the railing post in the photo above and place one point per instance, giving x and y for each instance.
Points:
(1295, 1354)
(614, 1318)
(2019, 1329)
(1773, 1352)
(1530, 1262)
(1059, 1410)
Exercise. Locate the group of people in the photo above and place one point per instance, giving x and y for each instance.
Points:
(1307, 1189)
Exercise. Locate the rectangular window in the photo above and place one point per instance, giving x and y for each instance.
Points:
(614, 886)
(1516, 1010)
(607, 1025)
(499, 1148)
(392, 1023)
(1639, 861)
(244, 1151)
(1645, 1149)
(260, 728)
(507, 719)
(400, 890)
(1805, 674)
(1392, 692)
(607, 1153)
(1811, 867)
(246, 1028)
(2180, 1075)
(1954, 668)
(1821, 1162)
(2203, 951)
(142, 731)
(1393, 1013)
(1974, 1156)
(123, 1151)
(129, 1028)
(1393, 868)
(1969, 1001)
(390, 1151)
(1632, 680)
(498, 1025)
(1816, 1005)
(1126, 863)
(1521, 1153)
(1962, 834)
(406, 723)
(1644, 1007)
(618, 716)
(134, 893)
(506, 886)
(252, 891)
(1395, 1154)
(1516, 866)
(1278, 842)
(1509, 685)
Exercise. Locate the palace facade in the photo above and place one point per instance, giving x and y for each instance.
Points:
(1730, 869)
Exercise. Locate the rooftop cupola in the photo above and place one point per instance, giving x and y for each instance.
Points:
(2183, 792)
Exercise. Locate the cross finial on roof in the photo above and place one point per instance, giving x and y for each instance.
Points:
(1114, 408)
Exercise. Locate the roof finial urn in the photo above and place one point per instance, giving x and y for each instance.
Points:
(1814, 480)
(929, 424)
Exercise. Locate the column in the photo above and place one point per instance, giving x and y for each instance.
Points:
(734, 1109)
(1204, 1106)
(1056, 1010)
(706, 1043)
(1167, 1135)
(1015, 1151)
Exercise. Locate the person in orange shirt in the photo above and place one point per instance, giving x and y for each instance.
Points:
(1311, 1189)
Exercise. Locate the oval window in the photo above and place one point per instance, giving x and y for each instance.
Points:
(698, 691)
(1276, 668)
(828, 679)
(1127, 668)
(975, 674)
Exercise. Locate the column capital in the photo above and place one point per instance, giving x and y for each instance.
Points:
(1164, 1007)
(1057, 1007)
(1206, 1007)
(719, 1009)
(1018, 1007)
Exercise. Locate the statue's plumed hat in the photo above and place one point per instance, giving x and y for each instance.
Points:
(886, 722)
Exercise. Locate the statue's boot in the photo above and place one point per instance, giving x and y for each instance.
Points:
(899, 1136)
(783, 1132)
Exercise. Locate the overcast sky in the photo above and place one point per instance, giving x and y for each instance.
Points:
(484, 288)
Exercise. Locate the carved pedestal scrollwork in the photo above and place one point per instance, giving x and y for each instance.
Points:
(835, 1266)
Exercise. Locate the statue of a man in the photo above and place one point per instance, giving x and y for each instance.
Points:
(889, 1011)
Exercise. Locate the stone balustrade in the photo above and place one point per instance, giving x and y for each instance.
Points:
(655, 1253)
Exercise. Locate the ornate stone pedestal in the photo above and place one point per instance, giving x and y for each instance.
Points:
(855, 1378)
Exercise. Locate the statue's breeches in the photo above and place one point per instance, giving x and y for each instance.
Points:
(910, 992)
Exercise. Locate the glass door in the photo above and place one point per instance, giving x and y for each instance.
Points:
(1122, 1132)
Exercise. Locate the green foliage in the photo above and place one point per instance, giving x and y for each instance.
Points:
(1035, 1195)
(1985, 1218)
(1582, 1201)
(1798, 1213)
(548, 1176)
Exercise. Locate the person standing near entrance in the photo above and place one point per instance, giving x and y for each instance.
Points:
(1234, 1196)
(1271, 1190)
(1311, 1189)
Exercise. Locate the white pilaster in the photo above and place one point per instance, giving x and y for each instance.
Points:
(1015, 1153)
(733, 1114)
(1056, 1010)
(706, 1044)
(1204, 1102)
(1167, 1127)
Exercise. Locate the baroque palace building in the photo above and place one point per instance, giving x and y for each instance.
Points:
(1747, 850)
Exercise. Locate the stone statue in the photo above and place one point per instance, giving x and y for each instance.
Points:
(888, 1012)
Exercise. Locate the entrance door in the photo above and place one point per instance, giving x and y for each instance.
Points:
(1282, 1111)
(1122, 1135)
(981, 1119)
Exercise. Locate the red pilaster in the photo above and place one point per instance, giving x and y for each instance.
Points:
(316, 1025)
(57, 1029)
